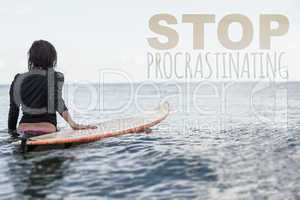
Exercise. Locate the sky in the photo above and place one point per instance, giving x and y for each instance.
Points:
(92, 35)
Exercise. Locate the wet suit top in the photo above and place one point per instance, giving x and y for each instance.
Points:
(39, 93)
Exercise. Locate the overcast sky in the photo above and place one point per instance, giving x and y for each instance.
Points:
(92, 35)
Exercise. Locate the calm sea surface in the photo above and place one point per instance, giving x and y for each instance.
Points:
(221, 141)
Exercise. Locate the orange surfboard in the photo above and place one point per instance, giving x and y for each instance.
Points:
(111, 128)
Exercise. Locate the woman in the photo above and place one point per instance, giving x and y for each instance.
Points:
(39, 93)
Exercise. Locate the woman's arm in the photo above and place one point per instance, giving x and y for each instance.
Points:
(14, 110)
(62, 108)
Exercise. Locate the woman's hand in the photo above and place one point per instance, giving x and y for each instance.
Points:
(76, 126)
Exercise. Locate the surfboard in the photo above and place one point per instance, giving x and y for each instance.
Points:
(106, 129)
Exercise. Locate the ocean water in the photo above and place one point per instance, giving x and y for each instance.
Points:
(221, 141)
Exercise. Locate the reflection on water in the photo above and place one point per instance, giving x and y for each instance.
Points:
(33, 175)
(43, 175)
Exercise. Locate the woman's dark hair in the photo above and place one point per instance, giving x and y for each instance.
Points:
(42, 55)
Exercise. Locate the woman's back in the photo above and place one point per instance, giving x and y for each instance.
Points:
(39, 94)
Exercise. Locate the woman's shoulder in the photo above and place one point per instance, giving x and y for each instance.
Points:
(16, 76)
(13, 83)
(60, 76)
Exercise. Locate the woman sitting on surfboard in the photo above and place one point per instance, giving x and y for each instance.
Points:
(39, 93)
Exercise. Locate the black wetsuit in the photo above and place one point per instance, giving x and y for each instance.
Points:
(39, 93)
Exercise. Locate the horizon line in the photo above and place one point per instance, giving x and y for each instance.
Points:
(177, 81)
